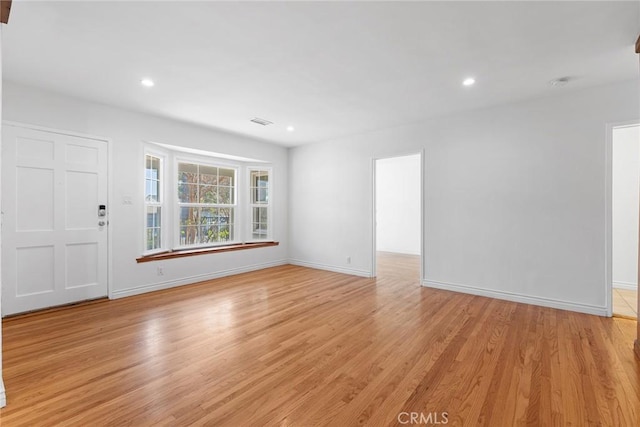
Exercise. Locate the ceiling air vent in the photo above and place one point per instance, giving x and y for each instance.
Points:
(561, 81)
(262, 122)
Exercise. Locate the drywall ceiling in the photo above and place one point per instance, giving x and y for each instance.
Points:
(330, 69)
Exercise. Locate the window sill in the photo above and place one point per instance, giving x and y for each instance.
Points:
(204, 251)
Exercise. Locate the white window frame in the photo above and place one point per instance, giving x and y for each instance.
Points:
(250, 205)
(162, 199)
(212, 162)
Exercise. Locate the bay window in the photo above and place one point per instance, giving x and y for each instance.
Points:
(196, 201)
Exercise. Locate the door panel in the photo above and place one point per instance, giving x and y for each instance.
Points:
(54, 250)
(82, 200)
(82, 266)
(34, 199)
(30, 280)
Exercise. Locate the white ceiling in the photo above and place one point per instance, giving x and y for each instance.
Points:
(330, 69)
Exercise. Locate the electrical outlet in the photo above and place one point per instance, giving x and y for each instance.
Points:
(348, 260)
(160, 271)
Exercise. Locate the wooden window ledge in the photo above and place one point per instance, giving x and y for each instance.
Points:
(203, 251)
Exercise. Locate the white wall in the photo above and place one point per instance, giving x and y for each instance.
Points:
(626, 187)
(127, 130)
(514, 197)
(398, 204)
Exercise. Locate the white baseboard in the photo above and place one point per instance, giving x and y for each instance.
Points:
(327, 267)
(3, 396)
(544, 302)
(399, 252)
(193, 279)
(625, 285)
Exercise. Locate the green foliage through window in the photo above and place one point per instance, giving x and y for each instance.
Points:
(206, 199)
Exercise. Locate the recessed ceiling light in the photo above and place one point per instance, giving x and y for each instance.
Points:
(147, 83)
(469, 81)
(290, 128)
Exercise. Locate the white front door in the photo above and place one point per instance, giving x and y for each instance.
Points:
(54, 241)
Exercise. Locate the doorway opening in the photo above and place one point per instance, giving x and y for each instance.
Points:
(625, 214)
(398, 218)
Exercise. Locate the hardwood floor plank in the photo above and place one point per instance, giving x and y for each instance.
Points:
(473, 372)
(552, 367)
(301, 347)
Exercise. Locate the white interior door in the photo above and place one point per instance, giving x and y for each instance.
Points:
(54, 241)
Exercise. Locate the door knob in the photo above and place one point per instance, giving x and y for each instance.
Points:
(101, 223)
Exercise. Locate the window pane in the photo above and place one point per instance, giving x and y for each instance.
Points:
(201, 225)
(262, 215)
(263, 189)
(153, 228)
(152, 190)
(259, 187)
(153, 216)
(208, 194)
(226, 233)
(189, 225)
(209, 220)
(226, 177)
(152, 167)
(152, 179)
(209, 234)
(226, 216)
(208, 175)
(187, 173)
(260, 229)
(187, 193)
(259, 195)
(153, 239)
(226, 224)
(188, 235)
(225, 196)
(187, 183)
(262, 180)
(189, 215)
(209, 216)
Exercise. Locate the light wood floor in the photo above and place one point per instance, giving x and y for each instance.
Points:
(625, 302)
(402, 266)
(300, 347)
